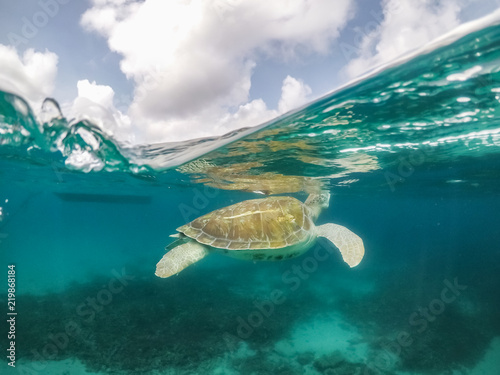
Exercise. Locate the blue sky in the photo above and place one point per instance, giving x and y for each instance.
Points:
(157, 70)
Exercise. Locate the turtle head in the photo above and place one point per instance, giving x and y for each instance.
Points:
(318, 202)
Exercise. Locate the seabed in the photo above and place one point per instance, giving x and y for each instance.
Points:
(192, 323)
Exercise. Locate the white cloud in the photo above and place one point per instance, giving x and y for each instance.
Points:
(407, 25)
(192, 61)
(31, 76)
(208, 123)
(100, 94)
(213, 121)
(95, 102)
(294, 93)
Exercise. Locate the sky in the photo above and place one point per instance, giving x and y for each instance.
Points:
(155, 71)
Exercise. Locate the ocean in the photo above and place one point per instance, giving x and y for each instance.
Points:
(410, 154)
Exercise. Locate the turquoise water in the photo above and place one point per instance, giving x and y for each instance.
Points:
(411, 156)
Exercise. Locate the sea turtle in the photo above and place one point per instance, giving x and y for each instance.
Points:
(272, 228)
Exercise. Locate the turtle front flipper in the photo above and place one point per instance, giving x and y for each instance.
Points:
(179, 258)
(350, 245)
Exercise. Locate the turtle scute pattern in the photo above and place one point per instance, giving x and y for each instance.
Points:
(268, 223)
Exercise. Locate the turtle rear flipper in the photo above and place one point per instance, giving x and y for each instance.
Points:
(179, 258)
(350, 245)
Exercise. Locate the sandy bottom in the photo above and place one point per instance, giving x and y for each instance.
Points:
(65, 367)
(324, 335)
(490, 364)
(320, 337)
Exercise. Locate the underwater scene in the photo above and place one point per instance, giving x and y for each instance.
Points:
(407, 158)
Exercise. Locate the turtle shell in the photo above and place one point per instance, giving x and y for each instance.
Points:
(268, 223)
